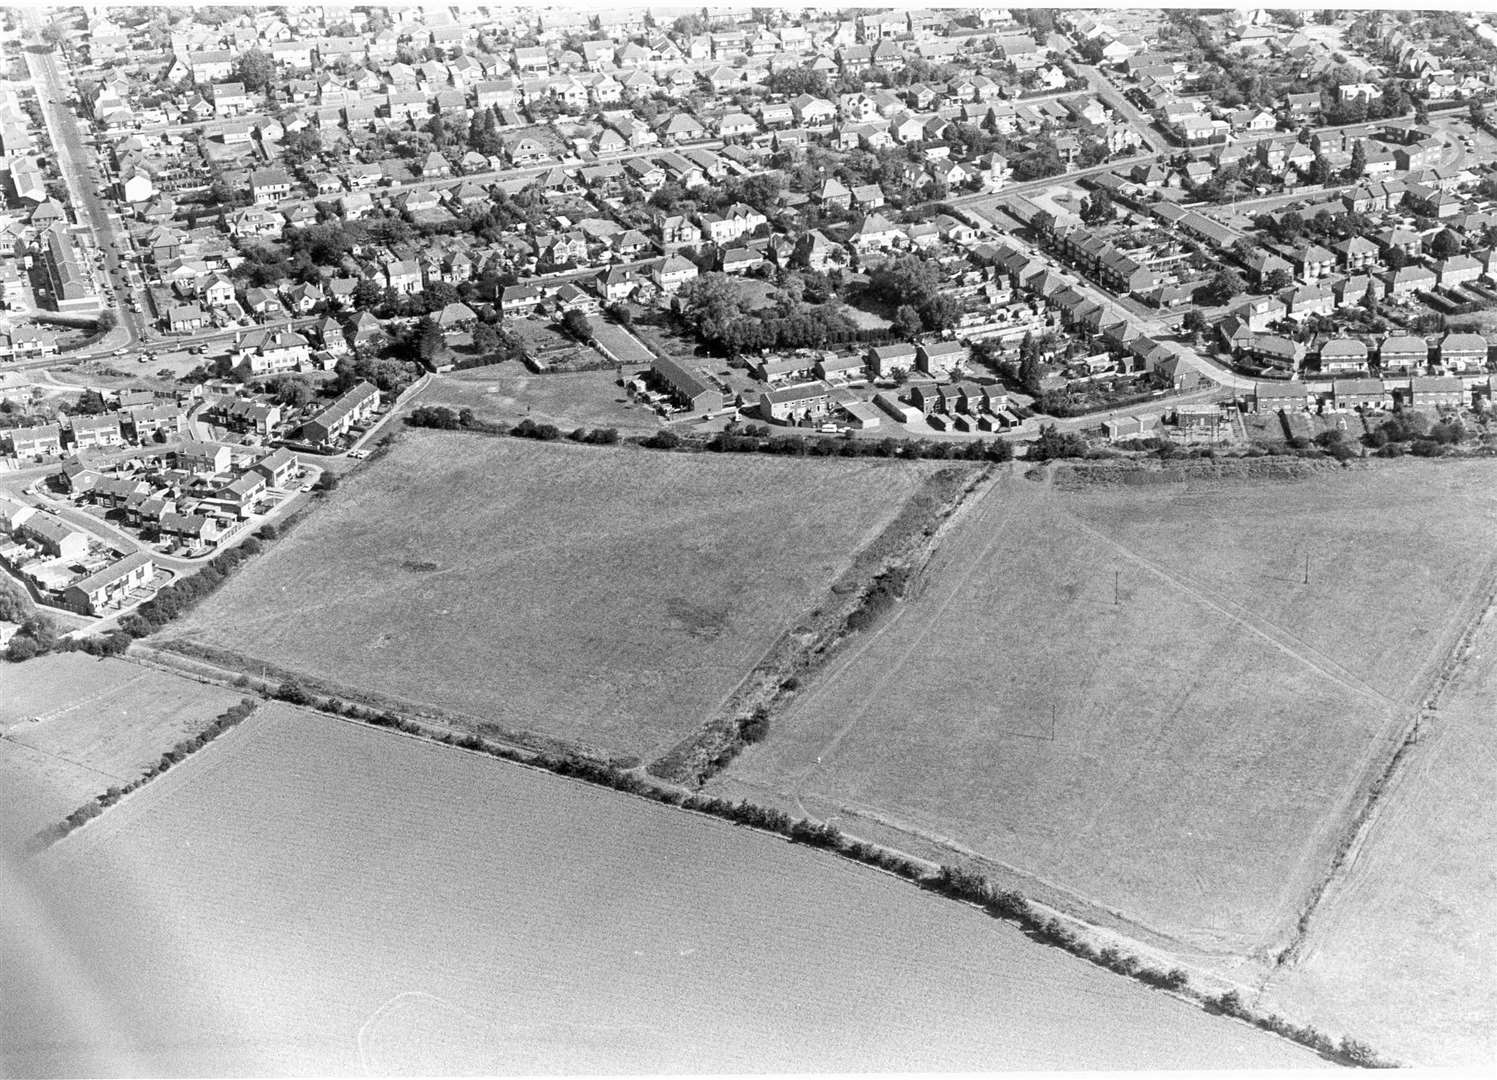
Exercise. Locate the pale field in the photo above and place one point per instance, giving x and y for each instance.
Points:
(509, 392)
(612, 597)
(71, 726)
(307, 896)
(1184, 760)
(1406, 945)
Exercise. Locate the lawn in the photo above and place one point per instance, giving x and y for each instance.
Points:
(1130, 701)
(73, 726)
(309, 897)
(610, 596)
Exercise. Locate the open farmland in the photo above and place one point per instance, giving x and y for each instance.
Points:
(1405, 945)
(1129, 700)
(399, 906)
(611, 597)
(72, 726)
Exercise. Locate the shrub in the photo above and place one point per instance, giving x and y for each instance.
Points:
(754, 728)
(293, 694)
(662, 440)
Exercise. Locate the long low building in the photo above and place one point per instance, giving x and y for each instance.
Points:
(686, 388)
(338, 418)
(91, 595)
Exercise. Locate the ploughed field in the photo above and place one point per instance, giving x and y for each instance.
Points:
(72, 726)
(1128, 701)
(611, 597)
(308, 896)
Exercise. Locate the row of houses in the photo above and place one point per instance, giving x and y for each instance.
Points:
(1417, 392)
(1455, 353)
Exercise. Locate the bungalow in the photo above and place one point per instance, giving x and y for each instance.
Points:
(185, 317)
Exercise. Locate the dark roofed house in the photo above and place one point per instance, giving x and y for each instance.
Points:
(685, 387)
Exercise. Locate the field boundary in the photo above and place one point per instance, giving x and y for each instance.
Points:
(901, 548)
(184, 749)
(1362, 824)
(1041, 923)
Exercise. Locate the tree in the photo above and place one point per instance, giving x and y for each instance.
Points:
(1043, 223)
(576, 325)
(1194, 322)
(794, 81)
(1224, 285)
(368, 294)
(106, 321)
(907, 322)
(1276, 279)
(1357, 168)
(485, 338)
(1445, 244)
(1097, 209)
(255, 69)
(53, 34)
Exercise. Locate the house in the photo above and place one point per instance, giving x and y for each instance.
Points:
(101, 430)
(1275, 396)
(203, 458)
(356, 405)
(939, 359)
(269, 185)
(1313, 262)
(273, 351)
(833, 368)
(52, 535)
(26, 442)
(674, 272)
(1341, 355)
(110, 586)
(687, 389)
(1408, 279)
(803, 403)
(1435, 391)
(1463, 352)
(1354, 394)
(1403, 353)
(885, 360)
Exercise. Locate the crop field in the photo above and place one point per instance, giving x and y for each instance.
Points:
(510, 392)
(309, 897)
(1406, 945)
(1132, 703)
(612, 597)
(72, 725)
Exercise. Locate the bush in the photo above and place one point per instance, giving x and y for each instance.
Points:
(293, 694)
(662, 440)
(754, 728)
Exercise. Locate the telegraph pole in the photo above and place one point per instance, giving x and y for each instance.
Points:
(1307, 568)
(1115, 596)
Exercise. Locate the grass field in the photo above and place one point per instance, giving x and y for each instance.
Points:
(71, 726)
(1406, 944)
(510, 392)
(308, 897)
(1130, 699)
(608, 596)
